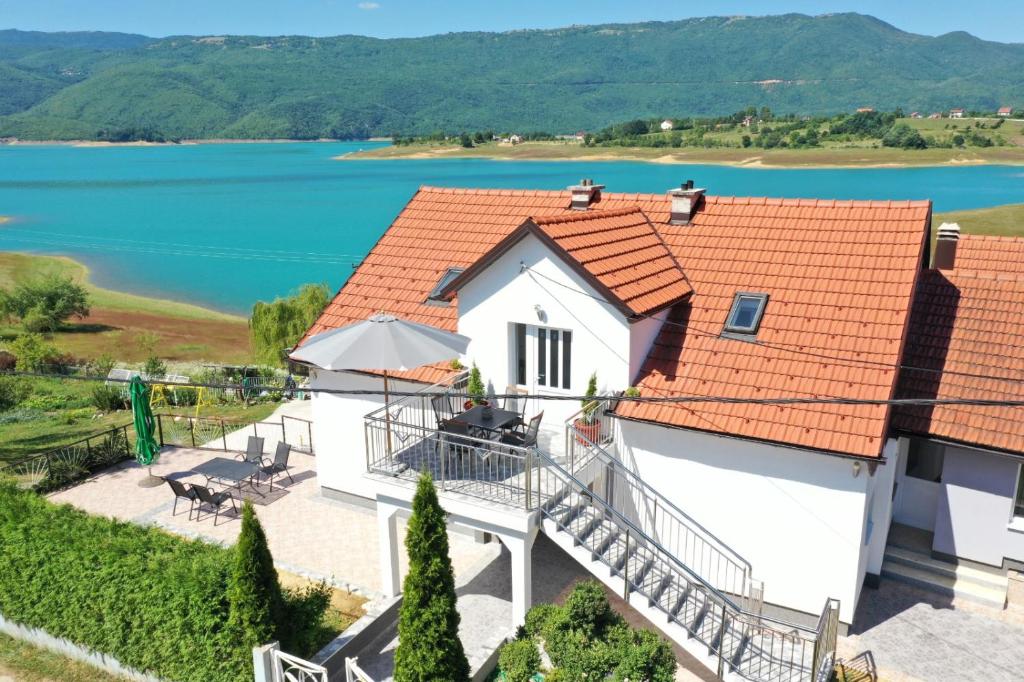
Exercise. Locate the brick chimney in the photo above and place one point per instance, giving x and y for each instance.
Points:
(685, 201)
(585, 194)
(945, 246)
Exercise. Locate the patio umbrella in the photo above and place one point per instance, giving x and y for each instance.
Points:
(383, 342)
(146, 449)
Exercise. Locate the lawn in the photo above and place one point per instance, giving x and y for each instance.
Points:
(118, 320)
(22, 662)
(60, 411)
(1005, 220)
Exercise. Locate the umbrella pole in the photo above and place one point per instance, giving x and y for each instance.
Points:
(150, 481)
(387, 413)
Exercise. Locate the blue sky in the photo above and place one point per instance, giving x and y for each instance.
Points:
(990, 19)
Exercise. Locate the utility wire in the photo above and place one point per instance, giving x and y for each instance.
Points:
(674, 399)
(790, 348)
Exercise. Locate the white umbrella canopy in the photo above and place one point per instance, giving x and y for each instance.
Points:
(382, 342)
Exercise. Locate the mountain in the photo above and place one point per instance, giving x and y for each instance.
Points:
(70, 86)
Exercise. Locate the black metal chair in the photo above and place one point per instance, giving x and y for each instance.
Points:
(182, 491)
(528, 438)
(253, 451)
(442, 407)
(516, 402)
(279, 465)
(212, 499)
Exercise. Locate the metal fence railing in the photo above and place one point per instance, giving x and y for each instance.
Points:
(74, 461)
(215, 433)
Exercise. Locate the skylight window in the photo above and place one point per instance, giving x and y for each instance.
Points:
(746, 312)
(449, 275)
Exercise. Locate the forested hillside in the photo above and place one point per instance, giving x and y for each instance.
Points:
(118, 86)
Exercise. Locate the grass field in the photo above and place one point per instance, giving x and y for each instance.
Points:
(1005, 220)
(22, 662)
(186, 332)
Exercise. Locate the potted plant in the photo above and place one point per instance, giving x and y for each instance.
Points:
(588, 427)
(475, 389)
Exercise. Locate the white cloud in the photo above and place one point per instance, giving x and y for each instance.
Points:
(368, 5)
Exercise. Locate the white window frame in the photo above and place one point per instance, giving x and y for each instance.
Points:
(1018, 490)
(532, 364)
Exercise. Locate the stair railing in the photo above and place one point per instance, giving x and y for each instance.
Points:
(659, 518)
(755, 646)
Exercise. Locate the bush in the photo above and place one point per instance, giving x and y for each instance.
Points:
(7, 361)
(45, 303)
(519, 660)
(588, 609)
(136, 593)
(184, 396)
(33, 353)
(108, 398)
(154, 367)
(644, 655)
(538, 617)
(12, 391)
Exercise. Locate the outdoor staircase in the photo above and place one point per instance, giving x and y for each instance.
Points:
(910, 561)
(694, 588)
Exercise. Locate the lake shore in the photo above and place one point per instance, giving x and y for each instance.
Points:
(118, 320)
(816, 158)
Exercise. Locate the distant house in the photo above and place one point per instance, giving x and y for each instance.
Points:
(915, 114)
(666, 124)
(515, 139)
(935, 116)
(956, 113)
(747, 121)
(865, 110)
(1004, 111)
(581, 135)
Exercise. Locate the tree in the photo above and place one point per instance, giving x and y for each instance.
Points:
(254, 594)
(45, 303)
(276, 326)
(745, 140)
(466, 141)
(33, 353)
(429, 648)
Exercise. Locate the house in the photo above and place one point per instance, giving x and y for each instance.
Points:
(764, 338)
(934, 116)
(667, 124)
(865, 110)
(747, 121)
(959, 475)
(956, 113)
(1005, 111)
(514, 139)
(915, 114)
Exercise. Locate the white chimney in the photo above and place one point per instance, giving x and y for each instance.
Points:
(585, 194)
(945, 246)
(685, 200)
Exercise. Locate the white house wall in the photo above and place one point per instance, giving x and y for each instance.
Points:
(503, 294)
(796, 516)
(338, 428)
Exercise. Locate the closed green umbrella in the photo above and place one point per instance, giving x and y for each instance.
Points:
(146, 449)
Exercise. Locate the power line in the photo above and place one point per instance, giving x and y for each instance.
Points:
(790, 348)
(674, 399)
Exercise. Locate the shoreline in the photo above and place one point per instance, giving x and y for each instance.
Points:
(804, 160)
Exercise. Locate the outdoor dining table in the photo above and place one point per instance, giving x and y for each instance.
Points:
(228, 471)
(491, 420)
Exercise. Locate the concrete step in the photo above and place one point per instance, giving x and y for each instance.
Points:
(944, 584)
(983, 577)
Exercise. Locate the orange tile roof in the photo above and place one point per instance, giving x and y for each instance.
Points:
(619, 252)
(839, 275)
(968, 331)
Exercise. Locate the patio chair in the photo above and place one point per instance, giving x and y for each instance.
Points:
(516, 402)
(182, 491)
(278, 465)
(253, 451)
(212, 499)
(528, 438)
(442, 407)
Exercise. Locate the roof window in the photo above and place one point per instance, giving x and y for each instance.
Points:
(745, 314)
(449, 275)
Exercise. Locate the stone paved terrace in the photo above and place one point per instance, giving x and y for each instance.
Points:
(308, 534)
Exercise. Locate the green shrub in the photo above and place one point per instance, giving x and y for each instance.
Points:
(44, 303)
(588, 609)
(33, 353)
(108, 398)
(538, 617)
(21, 416)
(254, 594)
(154, 367)
(154, 601)
(519, 660)
(12, 392)
(184, 396)
(643, 655)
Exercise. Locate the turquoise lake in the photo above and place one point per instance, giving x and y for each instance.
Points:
(226, 224)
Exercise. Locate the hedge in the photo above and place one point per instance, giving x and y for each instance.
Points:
(153, 601)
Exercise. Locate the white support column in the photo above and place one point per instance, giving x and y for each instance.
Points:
(521, 549)
(387, 528)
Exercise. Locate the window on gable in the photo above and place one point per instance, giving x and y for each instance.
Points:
(449, 275)
(745, 314)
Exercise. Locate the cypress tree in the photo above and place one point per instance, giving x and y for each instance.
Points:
(254, 593)
(429, 648)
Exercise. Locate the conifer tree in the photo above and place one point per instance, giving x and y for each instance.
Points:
(429, 648)
(254, 593)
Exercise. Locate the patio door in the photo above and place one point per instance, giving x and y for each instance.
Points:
(541, 362)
